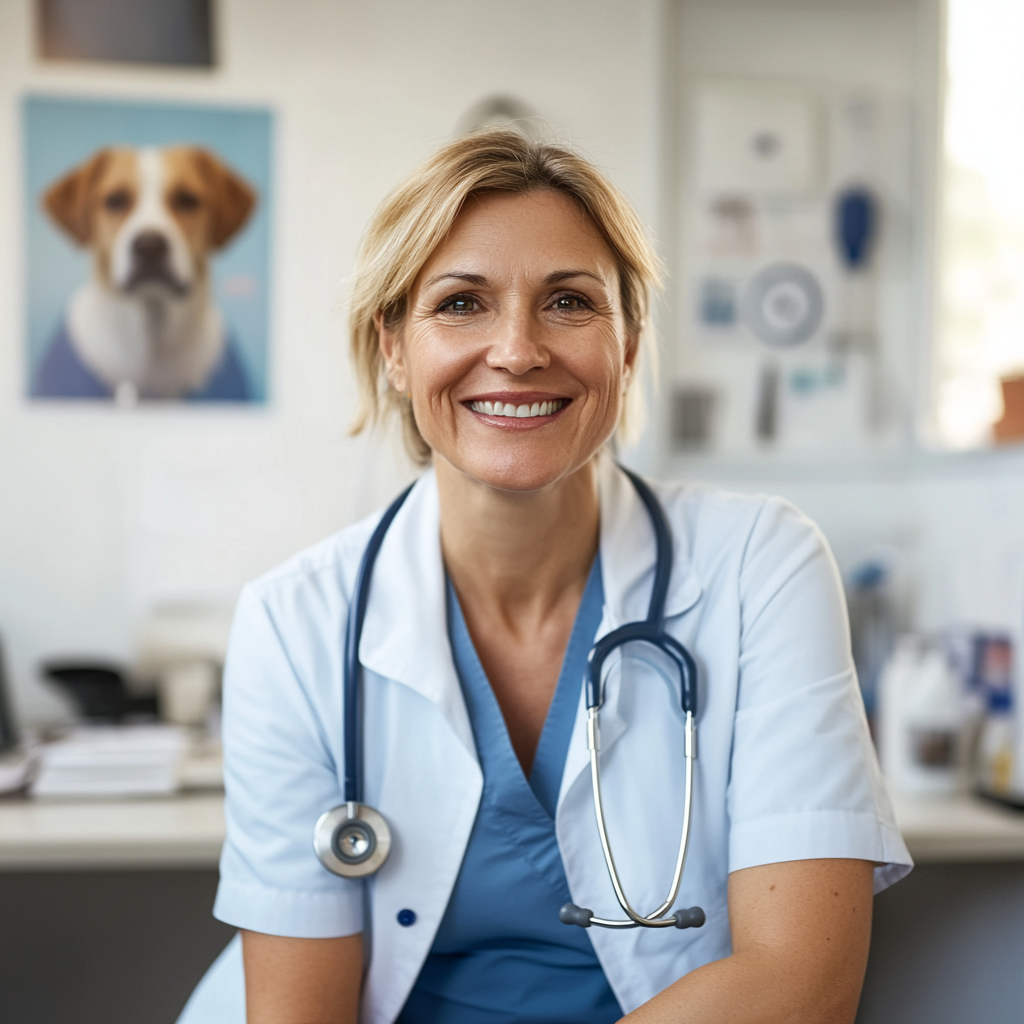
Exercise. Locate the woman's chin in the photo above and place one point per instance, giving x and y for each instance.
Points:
(516, 471)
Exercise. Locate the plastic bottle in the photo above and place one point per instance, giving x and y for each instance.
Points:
(996, 745)
(994, 771)
(921, 722)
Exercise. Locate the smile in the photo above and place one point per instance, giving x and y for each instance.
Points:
(520, 412)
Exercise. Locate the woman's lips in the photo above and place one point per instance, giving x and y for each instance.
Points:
(517, 414)
(521, 411)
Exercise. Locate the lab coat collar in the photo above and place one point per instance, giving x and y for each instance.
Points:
(405, 633)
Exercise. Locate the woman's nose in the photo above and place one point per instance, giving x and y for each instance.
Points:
(518, 345)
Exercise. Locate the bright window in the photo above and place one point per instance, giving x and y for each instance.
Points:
(981, 321)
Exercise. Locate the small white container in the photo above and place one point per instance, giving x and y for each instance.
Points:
(186, 692)
(921, 722)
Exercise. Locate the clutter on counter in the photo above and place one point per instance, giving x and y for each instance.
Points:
(117, 761)
(946, 715)
(105, 761)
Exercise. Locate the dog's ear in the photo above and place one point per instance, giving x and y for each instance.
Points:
(231, 197)
(69, 199)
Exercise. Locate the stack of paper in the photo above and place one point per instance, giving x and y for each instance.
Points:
(114, 761)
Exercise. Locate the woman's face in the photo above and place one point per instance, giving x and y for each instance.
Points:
(514, 346)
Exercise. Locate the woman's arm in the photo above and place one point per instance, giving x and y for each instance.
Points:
(302, 981)
(800, 936)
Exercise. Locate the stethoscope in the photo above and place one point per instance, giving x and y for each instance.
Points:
(353, 840)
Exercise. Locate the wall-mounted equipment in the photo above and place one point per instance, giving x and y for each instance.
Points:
(786, 191)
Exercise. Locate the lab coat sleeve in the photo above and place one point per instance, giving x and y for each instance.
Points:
(280, 776)
(804, 779)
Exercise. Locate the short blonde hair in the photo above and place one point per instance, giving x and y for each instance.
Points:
(418, 213)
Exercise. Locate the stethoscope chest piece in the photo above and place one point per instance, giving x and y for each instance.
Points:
(352, 840)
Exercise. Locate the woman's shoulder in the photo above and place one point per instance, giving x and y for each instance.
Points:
(323, 573)
(721, 526)
(716, 511)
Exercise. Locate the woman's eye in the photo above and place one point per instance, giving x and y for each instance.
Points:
(458, 304)
(570, 304)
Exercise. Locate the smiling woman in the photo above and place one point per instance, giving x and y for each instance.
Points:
(527, 611)
(420, 213)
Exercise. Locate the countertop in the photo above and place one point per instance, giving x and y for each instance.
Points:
(187, 832)
(949, 830)
(183, 831)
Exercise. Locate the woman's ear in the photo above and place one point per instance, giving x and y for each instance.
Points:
(630, 356)
(390, 340)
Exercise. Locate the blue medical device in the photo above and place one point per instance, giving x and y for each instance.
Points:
(353, 839)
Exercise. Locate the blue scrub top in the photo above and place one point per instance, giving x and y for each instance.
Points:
(501, 956)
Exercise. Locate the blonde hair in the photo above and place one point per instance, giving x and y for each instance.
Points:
(418, 213)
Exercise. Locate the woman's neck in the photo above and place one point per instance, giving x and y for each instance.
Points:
(518, 555)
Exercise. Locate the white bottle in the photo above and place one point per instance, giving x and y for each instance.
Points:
(921, 721)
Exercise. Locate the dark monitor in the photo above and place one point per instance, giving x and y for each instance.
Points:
(138, 31)
(8, 733)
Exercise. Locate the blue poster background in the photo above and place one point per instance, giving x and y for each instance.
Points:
(60, 133)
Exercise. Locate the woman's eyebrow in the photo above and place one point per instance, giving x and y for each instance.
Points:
(478, 279)
(564, 275)
(457, 275)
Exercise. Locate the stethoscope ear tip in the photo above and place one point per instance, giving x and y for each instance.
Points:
(692, 918)
(571, 914)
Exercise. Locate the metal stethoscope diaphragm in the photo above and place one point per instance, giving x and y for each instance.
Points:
(353, 840)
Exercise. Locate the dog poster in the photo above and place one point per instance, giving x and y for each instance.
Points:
(147, 251)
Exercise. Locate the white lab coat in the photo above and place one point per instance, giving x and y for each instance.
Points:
(786, 770)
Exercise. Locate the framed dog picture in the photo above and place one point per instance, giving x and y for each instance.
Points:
(147, 262)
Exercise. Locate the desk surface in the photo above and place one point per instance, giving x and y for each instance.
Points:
(187, 832)
(959, 829)
(175, 832)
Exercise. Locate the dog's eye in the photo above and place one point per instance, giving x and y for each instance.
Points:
(184, 200)
(118, 201)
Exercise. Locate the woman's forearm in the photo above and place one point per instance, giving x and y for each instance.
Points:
(800, 932)
(753, 987)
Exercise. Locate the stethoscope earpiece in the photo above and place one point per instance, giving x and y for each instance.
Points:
(352, 840)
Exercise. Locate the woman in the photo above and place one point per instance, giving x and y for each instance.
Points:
(498, 307)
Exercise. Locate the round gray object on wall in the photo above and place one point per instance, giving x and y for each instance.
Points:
(783, 305)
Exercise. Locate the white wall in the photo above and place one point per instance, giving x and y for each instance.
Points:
(104, 513)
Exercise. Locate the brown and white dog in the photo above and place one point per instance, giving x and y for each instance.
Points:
(145, 323)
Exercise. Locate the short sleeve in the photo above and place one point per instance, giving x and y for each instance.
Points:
(280, 776)
(804, 778)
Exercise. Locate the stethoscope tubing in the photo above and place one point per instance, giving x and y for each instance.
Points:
(651, 631)
(352, 670)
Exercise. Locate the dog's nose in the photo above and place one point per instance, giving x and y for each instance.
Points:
(150, 248)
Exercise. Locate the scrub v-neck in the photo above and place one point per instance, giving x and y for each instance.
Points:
(501, 956)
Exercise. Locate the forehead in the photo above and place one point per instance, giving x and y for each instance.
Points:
(119, 169)
(181, 166)
(540, 230)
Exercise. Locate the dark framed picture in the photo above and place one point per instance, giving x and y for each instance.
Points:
(137, 31)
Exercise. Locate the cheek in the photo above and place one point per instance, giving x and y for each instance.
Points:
(195, 229)
(104, 233)
(435, 363)
(600, 363)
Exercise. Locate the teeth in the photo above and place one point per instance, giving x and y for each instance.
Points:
(517, 411)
